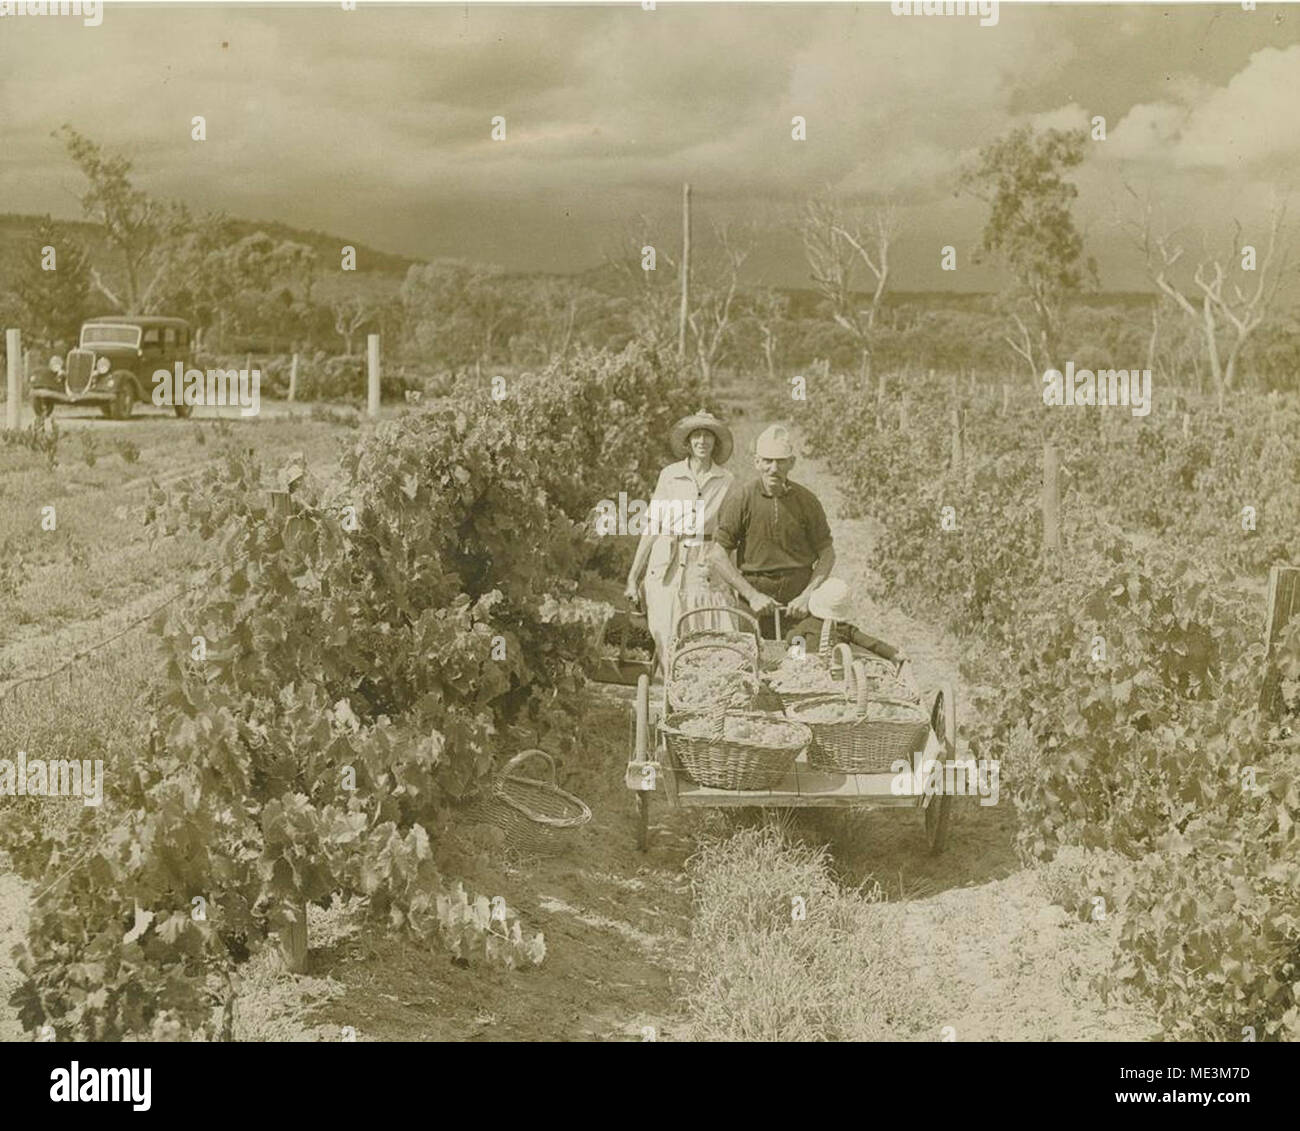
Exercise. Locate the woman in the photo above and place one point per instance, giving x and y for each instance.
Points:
(678, 530)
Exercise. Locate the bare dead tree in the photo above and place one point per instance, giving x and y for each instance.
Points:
(839, 241)
(649, 293)
(1024, 345)
(769, 309)
(351, 312)
(1211, 303)
(717, 278)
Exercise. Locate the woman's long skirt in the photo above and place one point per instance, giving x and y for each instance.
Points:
(685, 583)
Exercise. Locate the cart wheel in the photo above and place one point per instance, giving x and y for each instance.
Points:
(642, 822)
(640, 741)
(937, 814)
(943, 718)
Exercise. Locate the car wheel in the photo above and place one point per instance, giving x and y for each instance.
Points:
(123, 401)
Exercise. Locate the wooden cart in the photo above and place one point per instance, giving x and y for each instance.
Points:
(651, 774)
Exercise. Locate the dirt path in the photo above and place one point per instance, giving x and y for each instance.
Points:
(997, 960)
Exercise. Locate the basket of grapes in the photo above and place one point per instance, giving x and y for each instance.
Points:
(713, 681)
(801, 676)
(863, 732)
(734, 749)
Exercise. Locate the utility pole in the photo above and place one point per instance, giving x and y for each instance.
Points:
(686, 272)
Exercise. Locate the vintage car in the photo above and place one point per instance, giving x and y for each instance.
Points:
(113, 365)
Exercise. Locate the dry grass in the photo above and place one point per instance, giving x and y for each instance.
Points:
(763, 975)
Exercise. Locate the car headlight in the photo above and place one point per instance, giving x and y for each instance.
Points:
(56, 364)
(103, 365)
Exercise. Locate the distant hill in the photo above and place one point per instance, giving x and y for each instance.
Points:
(18, 231)
(382, 271)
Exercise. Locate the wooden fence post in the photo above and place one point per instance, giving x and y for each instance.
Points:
(1283, 604)
(14, 357)
(372, 362)
(293, 378)
(1051, 499)
(293, 941)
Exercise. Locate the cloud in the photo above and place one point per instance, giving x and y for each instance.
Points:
(375, 123)
(1245, 126)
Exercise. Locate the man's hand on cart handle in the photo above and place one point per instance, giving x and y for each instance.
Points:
(633, 595)
(761, 602)
(797, 609)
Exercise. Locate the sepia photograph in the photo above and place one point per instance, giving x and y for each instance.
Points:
(650, 522)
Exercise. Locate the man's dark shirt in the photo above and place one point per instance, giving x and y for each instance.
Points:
(769, 532)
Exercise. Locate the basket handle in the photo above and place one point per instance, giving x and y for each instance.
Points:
(824, 648)
(751, 661)
(734, 610)
(844, 654)
(863, 683)
(524, 756)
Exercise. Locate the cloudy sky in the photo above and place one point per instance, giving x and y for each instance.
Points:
(375, 124)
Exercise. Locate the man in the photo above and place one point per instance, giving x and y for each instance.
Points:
(779, 532)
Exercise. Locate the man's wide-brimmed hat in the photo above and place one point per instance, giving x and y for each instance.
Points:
(706, 420)
(830, 600)
(774, 443)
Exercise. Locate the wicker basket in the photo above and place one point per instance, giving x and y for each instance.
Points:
(842, 655)
(537, 816)
(721, 659)
(861, 745)
(726, 764)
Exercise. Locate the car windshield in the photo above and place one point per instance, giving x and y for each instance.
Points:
(110, 336)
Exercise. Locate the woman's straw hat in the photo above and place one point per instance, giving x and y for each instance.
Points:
(706, 420)
(830, 601)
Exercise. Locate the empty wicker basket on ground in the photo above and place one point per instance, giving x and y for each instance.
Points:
(537, 816)
(865, 733)
(734, 749)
